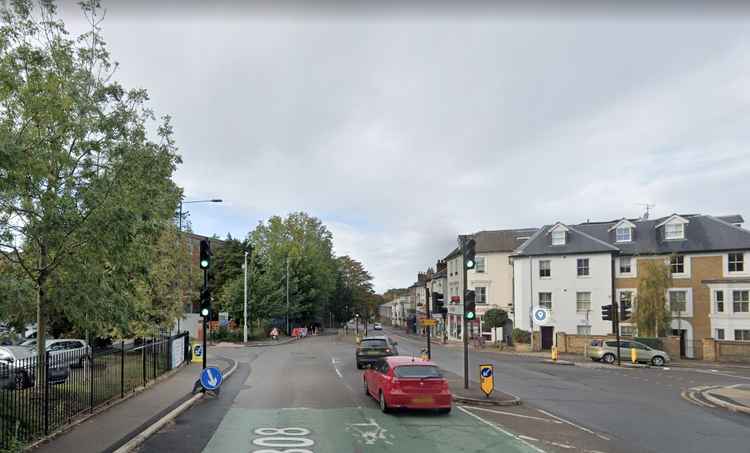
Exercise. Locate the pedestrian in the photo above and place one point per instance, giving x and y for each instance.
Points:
(275, 333)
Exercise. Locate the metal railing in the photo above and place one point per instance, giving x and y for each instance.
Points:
(78, 382)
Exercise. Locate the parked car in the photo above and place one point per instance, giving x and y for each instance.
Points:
(373, 348)
(18, 368)
(407, 382)
(72, 352)
(377, 326)
(606, 351)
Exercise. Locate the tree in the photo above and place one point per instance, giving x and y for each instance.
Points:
(494, 318)
(650, 313)
(82, 188)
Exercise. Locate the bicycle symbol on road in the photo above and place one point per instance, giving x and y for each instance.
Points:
(370, 432)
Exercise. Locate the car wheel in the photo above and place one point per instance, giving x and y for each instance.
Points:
(657, 360)
(445, 410)
(608, 358)
(21, 380)
(359, 366)
(383, 405)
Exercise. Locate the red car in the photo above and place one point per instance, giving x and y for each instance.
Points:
(407, 382)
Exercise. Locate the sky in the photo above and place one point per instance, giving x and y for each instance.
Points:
(401, 128)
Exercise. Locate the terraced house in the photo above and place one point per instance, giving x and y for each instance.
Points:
(707, 255)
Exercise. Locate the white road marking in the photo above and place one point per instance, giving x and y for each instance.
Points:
(532, 439)
(515, 415)
(499, 428)
(339, 373)
(582, 428)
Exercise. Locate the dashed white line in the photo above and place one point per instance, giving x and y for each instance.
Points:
(339, 373)
(515, 415)
(582, 428)
(498, 428)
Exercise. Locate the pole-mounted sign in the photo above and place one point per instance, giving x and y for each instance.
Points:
(487, 378)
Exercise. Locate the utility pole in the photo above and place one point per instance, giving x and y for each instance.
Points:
(244, 330)
(288, 332)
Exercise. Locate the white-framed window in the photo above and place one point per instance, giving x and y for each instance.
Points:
(545, 300)
(674, 231)
(719, 334)
(741, 334)
(545, 269)
(678, 301)
(481, 294)
(625, 264)
(558, 237)
(623, 234)
(582, 265)
(736, 262)
(677, 264)
(584, 330)
(626, 297)
(719, 296)
(627, 331)
(480, 264)
(741, 301)
(583, 302)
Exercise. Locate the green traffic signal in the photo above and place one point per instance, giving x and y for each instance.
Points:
(470, 315)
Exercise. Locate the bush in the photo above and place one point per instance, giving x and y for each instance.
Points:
(521, 336)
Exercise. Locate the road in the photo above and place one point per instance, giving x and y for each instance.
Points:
(313, 387)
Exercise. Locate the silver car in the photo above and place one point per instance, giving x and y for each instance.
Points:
(606, 351)
(18, 368)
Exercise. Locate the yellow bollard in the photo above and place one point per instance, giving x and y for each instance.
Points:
(554, 353)
(633, 355)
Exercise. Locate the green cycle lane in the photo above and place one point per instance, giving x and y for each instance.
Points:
(341, 430)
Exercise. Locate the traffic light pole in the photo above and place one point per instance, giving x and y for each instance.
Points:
(615, 314)
(205, 319)
(463, 318)
(429, 327)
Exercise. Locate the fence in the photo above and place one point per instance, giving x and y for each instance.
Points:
(78, 381)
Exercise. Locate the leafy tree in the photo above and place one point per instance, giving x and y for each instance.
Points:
(650, 313)
(84, 193)
(495, 317)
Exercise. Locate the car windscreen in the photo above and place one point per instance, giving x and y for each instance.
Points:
(417, 371)
(371, 344)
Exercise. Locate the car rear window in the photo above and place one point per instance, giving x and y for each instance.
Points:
(373, 344)
(417, 371)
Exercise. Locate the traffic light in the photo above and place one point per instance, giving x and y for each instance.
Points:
(205, 261)
(607, 313)
(438, 302)
(205, 302)
(469, 254)
(625, 310)
(470, 306)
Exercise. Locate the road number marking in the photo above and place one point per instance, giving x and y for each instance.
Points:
(290, 439)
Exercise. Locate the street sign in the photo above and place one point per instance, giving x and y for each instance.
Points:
(428, 322)
(487, 378)
(211, 378)
(223, 318)
(197, 353)
(541, 316)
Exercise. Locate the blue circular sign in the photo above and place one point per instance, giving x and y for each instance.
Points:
(540, 314)
(211, 378)
(486, 372)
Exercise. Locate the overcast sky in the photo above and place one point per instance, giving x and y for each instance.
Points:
(400, 129)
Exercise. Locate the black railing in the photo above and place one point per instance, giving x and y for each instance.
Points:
(78, 381)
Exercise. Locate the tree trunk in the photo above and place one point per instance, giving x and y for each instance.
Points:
(41, 319)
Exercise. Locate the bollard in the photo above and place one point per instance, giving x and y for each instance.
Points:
(554, 353)
(633, 355)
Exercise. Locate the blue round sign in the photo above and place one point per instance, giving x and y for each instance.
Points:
(540, 314)
(211, 378)
(486, 372)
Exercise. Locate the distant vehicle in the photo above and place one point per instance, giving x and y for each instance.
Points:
(377, 326)
(18, 368)
(373, 348)
(407, 382)
(606, 351)
(72, 352)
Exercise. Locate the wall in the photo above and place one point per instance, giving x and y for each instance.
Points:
(726, 351)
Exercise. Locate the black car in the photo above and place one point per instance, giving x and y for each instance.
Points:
(373, 348)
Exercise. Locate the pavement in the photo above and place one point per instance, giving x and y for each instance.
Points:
(734, 397)
(109, 429)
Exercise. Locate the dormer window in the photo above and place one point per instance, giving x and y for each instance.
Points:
(558, 237)
(674, 231)
(623, 234)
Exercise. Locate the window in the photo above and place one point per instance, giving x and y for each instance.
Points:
(736, 262)
(740, 301)
(583, 267)
(674, 231)
(584, 330)
(558, 238)
(417, 371)
(741, 334)
(481, 294)
(719, 334)
(480, 264)
(626, 297)
(622, 234)
(677, 301)
(583, 302)
(677, 263)
(625, 264)
(545, 300)
(544, 269)
(627, 331)
(719, 301)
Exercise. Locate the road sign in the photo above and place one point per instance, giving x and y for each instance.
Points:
(541, 316)
(211, 378)
(428, 322)
(223, 318)
(487, 378)
(197, 353)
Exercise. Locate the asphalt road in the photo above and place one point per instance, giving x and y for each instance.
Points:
(307, 397)
(635, 409)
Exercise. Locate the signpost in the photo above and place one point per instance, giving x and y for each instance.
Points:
(197, 353)
(429, 322)
(211, 378)
(487, 378)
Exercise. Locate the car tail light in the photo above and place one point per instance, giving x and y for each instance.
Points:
(395, 382)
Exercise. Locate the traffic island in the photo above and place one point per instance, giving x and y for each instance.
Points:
(735, 398)
(474, 396)
(559, 362)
